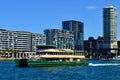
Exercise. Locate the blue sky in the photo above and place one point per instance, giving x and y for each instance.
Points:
(37, 15)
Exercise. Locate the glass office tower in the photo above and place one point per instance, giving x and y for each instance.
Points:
(77, 28)
(110, 27)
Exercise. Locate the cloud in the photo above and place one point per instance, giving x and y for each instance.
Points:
(91, 7)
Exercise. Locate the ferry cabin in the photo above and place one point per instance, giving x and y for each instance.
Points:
(50, 53)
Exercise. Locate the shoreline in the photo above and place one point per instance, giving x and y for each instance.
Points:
(6, 59)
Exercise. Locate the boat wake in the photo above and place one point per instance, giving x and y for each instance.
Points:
(104, 64)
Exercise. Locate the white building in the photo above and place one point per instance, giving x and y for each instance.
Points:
(37, 39)
(20, 40)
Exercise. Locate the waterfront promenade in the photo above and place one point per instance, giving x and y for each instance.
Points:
(12, 56)
(6, 59)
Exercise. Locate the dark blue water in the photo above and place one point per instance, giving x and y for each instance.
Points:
(99, 70)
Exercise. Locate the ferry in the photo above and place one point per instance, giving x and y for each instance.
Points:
(50, 56)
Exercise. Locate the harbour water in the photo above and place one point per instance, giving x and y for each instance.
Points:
(97, 70)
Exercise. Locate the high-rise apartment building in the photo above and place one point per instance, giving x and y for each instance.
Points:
(61, 38)
(77, 28)
(110, 27)
(20, 40)
(37, 39)
(4, 36)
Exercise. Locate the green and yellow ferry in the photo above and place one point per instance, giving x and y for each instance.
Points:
(49, 56)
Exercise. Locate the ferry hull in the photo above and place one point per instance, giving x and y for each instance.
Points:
(38, 63)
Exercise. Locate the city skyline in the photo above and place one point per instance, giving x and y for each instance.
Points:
(33, 16)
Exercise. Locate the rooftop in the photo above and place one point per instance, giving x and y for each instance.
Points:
(110, 7)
